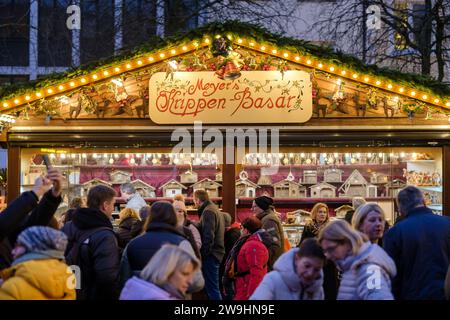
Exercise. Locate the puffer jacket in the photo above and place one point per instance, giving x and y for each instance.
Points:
(283, 283)
(138, 289)
(272, 224)
(366, 275)
(37, 279)
(252, 265)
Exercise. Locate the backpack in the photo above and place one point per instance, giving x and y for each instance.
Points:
(72, 252)
(230, 273)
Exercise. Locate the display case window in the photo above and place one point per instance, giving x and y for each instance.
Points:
(335, 176)
(155, 175)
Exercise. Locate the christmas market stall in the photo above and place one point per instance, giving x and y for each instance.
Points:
(336, 128)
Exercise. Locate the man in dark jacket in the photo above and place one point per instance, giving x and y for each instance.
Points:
(212, 229)
(93, 246)
(420, 246)
(16, 218)
(263, 209)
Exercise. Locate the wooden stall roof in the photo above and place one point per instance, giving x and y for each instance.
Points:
(251, 37)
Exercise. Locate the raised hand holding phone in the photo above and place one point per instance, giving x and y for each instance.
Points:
(54, 176)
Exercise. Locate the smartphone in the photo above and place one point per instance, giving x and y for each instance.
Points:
(46, 160)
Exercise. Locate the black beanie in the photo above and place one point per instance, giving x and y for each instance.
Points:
(264, 202)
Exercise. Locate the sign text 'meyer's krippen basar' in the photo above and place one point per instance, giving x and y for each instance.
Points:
(255, 97)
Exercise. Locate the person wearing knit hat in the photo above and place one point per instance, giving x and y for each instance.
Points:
(264, 202)
(38, 271)
(263, 209)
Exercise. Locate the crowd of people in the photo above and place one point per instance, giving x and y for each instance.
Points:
(157, 253)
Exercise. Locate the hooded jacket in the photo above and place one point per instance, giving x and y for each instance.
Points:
(366, 275)
(37, 277)
(138, 289)
(283, 283)
(98, 255)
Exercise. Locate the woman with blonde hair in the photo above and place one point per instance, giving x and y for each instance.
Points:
(366, 268)
(370, 220)
(167, 276)
(129, 226)
(319, 217)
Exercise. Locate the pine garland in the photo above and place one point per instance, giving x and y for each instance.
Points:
(243, 30)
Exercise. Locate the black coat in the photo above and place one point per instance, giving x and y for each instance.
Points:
(212, 230)
(98, 258)
(141, 249)
(419, 244)
(128, 229)
(16, 218)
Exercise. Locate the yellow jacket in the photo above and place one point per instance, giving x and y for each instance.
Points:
(37, 280)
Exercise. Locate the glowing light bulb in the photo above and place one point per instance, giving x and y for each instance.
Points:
(111, 161)
(184, 48)
(308, 62)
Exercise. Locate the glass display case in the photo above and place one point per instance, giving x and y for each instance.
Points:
(155, 175)
(299, 178)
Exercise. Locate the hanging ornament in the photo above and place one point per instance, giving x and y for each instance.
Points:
(243, 175)
(231, 72)
(220, 73)
(410, 114)
(290, 176)
(429, 115)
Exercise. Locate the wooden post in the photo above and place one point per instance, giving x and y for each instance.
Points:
(13, 173)
(229, 186)
(446, 180)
